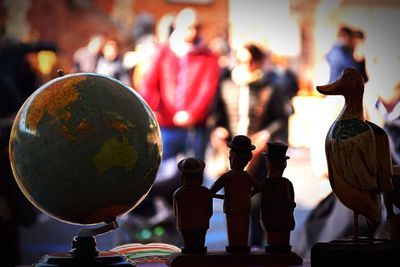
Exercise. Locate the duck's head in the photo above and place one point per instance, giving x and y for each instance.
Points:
(349, 83)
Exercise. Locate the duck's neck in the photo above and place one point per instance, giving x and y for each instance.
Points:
(353, 109)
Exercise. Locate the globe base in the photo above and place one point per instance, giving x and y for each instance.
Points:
(84, 253)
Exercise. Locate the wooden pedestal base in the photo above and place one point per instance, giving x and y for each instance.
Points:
(84, 253)
(216, 258)
(393, 227)
(361, 253)
(103, 259)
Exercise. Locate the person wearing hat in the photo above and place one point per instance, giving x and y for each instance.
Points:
(192, 204)
(239, 186)
(346, 53)
(277, 200)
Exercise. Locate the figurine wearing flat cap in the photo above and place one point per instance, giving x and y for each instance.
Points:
(192, 206)
(277, 200)
(239, 186)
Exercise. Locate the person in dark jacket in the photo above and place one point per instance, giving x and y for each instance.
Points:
(250, 103)
(344, 54)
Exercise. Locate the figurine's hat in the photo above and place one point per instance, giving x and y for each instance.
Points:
(241, 142)
(191, 165)
(276, 150)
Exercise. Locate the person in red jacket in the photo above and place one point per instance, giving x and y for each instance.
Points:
(180, 87)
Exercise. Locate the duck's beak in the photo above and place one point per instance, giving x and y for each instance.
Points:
(329, 89)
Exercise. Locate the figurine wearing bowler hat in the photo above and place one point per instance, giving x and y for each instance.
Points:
(192, 206)
(277, 200)
(239, 186)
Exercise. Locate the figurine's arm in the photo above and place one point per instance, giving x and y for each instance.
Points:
(256, 186)
(292, 203)
(218, 184)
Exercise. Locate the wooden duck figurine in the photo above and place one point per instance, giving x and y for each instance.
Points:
(357, 152)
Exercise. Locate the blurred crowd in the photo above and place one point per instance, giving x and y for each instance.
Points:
(202, 94)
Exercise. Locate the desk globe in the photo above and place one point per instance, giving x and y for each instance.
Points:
(85, 149)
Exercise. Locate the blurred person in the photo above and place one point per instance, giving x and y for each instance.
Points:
(85, 58)
(346, 53)
(287, 81)
(17, 81)
(164, 28)
(220, 47)
(144, 27)
(179, 87)
(136, 61)
(110, 62)
(250, 105)
(140, 59)
(388, 106)
(216, 158)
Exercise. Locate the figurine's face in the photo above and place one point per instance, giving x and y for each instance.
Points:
(239, 159)
(275, 167)
(194, 179)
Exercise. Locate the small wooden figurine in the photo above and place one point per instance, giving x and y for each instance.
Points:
(239, 186)
(277, 200)
(358, 155)
(192, 206)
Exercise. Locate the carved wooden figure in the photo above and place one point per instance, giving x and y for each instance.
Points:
(277, 200)
(192, 206)
(239, 186)
(357, 153)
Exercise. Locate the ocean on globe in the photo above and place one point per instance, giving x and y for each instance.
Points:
(85, 148)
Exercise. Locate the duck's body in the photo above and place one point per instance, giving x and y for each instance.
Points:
(357, 152)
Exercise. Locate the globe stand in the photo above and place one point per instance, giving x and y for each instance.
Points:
(84, 252)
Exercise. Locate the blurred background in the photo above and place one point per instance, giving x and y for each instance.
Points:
(293, 35)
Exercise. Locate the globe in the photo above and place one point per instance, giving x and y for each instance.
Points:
(85, 148)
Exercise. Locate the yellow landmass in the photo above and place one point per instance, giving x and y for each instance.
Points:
(115, 153)
(53, 100)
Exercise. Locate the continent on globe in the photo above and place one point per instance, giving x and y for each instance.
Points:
(54, 104)
(85, 148)
(115, 153)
